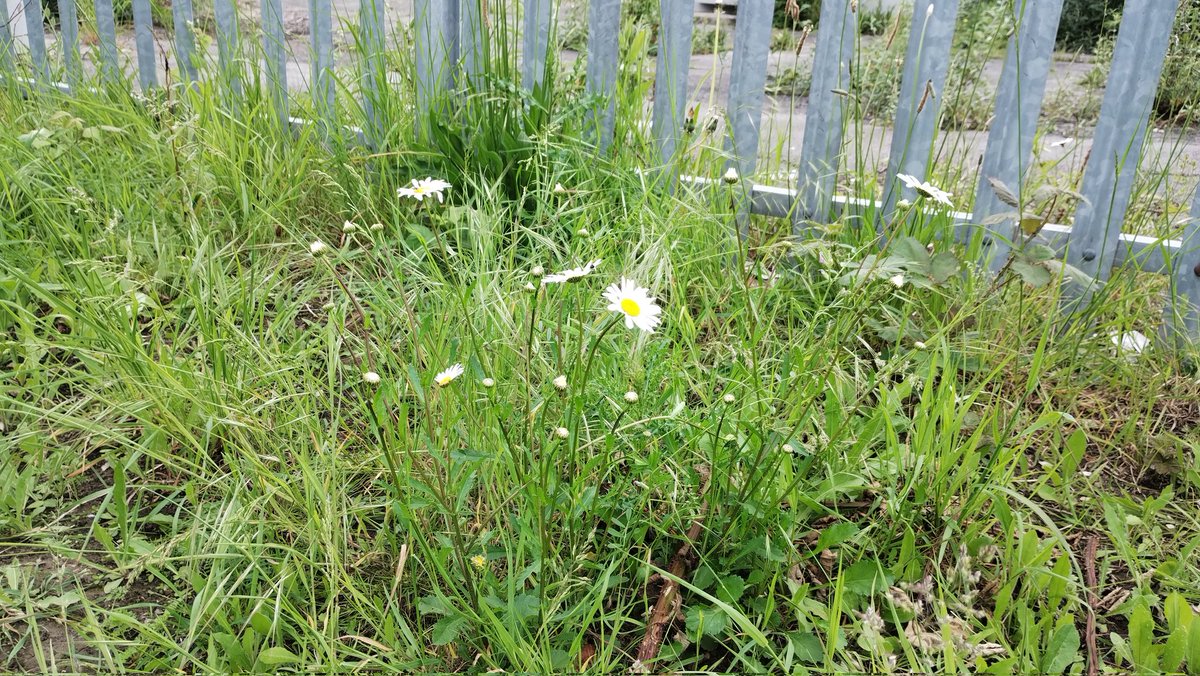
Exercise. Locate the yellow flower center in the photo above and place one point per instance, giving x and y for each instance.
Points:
(630, 307)
(443, 380)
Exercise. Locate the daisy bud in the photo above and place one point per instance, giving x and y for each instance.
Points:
(929, 11)
(488, 382)
(560, 382)
(562, 433)
(583, 232)
(328, 306)
(530, 287)
(731, 176)
(919, 345)
(897, 280)
(728, 399)
(349, 227)
(537, 271)
(317, 248)
(631, 397)
(376, 227)
(789, 449)
(559, 189)
(371, 378)
(904, 204)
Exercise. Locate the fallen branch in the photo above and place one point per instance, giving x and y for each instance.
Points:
(669, 602)
(1089, 573)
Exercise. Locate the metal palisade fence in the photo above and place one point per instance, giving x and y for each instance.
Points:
(449, 42)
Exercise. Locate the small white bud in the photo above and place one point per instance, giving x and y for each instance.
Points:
(376, 227)
(349, 227)
(530, 287)
(328, 306)
(897, 280)
(583, 232)
(919, 345)
(929, 11)
(317, 248)
(731, 176)
(371, 378)
(560, 382)
(488, 382)
(537, 271)
(789, 449)
(903, 204)
(559, 189)
(631, 397)
(728, 398)
(562, 433)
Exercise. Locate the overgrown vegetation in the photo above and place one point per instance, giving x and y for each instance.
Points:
(232, 437)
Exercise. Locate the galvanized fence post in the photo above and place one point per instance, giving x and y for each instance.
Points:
(436, 48)
(143, 30)
(1014, 123)
(372, 43)
(185, 42)
(1182, 321)
(821, 151)
(106, 27)
(228, 54)
(671, 77)
(321, 34)
(1117, 146)
(747, 82)
(37, 39)
(926, 64)
(68, 18)
(539, 15)
(275, 57)
(604, 25)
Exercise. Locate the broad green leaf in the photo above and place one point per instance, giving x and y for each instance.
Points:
(1063, 648)
(277, 655)
(943, 266)
(1033, 274)
(1141, 638)
(730, 588)
(447, 629)
(711, 621)
(1073, 450)
(836, 534)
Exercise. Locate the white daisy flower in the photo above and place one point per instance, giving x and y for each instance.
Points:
(430, 187)
(371, 378)
(560, 382)
(926, 189)
(317, 248)
(631, 397)
(443, 379)
(562, 433)
(635, 303)
(731, 176)
(897, 280)
(571, 274)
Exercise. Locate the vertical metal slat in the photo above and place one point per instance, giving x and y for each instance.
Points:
(436, 47)
(1183, 310)
(471, 38)
(371, 16)
(604, 25)
(110, 67)
(926, 64)
(228, 54)
(321, 21)
(821, 151)
(144, 37)
(275, 55)
(185, 42)
(1014, 124)
(68, 16)
(1117, 149)
(538, 16)
(37, 39)
(670, 76)
(747, 82)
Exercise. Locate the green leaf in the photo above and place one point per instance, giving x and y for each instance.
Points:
(1178, 613)
(911, 252)
(525, 606)
(730, 589)
(1063, 648)
(807, 647)
(1141, 638)
(943, 266)
(447, 629)
(866, 577)
(1073, 450)
(836, 534)
(276, 656)
(711, 621)
(1033, 274)
(432, 605)
(1175, 650)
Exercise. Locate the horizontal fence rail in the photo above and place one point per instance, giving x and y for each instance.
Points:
(450, 39)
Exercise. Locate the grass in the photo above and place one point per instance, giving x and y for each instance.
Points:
(845, 459)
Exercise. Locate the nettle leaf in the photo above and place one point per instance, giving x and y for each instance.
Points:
(943, 266)
(708, 620)
(836, 534)
(447, 629)
(866, 577)
(1033, 274)
(730, 589)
